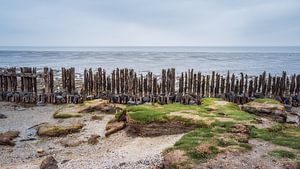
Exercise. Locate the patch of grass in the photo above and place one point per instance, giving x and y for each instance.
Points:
(191, 140)
(267, 101)
(225, 142)
(246, 146)
(279, 137)
(233, 111)
(147, 113)
(283, 154)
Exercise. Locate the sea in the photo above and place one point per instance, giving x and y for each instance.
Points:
(250, 60)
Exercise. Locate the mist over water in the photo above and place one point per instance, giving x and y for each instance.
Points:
(250, 60)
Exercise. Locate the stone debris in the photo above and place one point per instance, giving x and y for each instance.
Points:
(58, 130)
(93, 139)
(49, 163)
(114, 126)
(8, 137)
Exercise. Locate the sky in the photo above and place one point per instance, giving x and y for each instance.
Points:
(149, 22)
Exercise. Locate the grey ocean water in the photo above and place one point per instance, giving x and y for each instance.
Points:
(251, 60)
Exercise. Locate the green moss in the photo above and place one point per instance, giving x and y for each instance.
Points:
(283, 137)
(191, 140)
(283, 154)
(267, 101)
(64, 115)
(145, 114)
(225, 142)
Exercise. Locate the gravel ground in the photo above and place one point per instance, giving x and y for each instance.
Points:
(257, 158)
(119, 150)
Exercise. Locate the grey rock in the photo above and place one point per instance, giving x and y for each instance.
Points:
(2, 116)
(291, 118)
(49, 163)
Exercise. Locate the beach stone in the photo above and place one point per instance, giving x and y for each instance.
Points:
(288, 108)
(7, 137)
(298, 98)
(2, 116)
(113, 126)
(291, 118)
(259, 95)
(131, 103)
(93, 139)
(49, 163)
(58, 130)
(40, 151)
(278, 98)
(96, 117)
(40, 103)
(71, 142)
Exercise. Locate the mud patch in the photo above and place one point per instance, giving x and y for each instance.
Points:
(158, 129)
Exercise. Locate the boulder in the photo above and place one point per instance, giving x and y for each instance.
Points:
(58, 130)
(7, 137)
(49, 163)
(288, 108)
(292, 118)
(263, 108)
(258, 95)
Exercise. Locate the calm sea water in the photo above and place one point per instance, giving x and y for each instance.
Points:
(251, 60)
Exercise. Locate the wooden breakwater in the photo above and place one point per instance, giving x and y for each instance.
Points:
(27, 85)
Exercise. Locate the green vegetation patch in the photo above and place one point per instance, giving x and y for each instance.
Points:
(284, 136)
(208, 110)
(205, 143)
(283, 154)
(63, 114)
(267, 101)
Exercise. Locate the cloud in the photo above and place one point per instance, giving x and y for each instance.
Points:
(145, 22)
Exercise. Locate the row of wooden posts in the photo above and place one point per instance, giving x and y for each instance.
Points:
(25, 84)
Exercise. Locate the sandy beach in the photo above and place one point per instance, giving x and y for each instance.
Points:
(116, 151)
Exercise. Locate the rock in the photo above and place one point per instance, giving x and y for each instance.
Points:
(40, 151)
(96, 117)
(298, 98)
(93, 139)
(2, 116)
(21, 109)
(114, 126)
(288, 108)
(65, 113)
(258, 95)
(49, 163)
(278, 98)
(40, 103)
(7, 137)
(58, 130)
(291, 118)
(131, 103)
(276, 111)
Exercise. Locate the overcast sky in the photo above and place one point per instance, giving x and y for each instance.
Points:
(149, 22)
